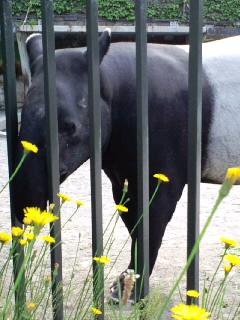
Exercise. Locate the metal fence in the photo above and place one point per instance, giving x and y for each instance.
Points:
(194, 150)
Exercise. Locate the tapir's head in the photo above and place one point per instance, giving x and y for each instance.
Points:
(73, 121)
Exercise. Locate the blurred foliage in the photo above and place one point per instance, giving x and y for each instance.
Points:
(219, 11)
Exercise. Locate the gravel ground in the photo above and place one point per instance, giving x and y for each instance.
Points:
(172, 255)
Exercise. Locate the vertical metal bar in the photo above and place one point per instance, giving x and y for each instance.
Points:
(52, 147)
(142, 149)
(194, 136)
(8, 53)
(95, 149)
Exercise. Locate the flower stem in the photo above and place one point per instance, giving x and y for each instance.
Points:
(210, 289)
(15, 171)
(217, 294)
(155, 192)
(191, 256)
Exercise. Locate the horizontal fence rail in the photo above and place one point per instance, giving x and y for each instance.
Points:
(194, 142)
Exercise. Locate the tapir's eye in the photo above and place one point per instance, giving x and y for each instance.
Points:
(69, 127)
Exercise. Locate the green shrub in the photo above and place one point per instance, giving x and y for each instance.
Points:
(222, 10)
(113, 10)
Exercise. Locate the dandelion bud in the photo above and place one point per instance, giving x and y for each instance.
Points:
(227, 269)
(51, 207)
(48, 280)
(232, 176)
(125, 186)
(55, 271)
(31, 306)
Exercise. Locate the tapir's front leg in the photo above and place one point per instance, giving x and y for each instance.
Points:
(160, 213)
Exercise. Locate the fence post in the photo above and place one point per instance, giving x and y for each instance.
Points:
(142, 286)
(194, 136)
(8, 53)
(52, 148)
(95, 150)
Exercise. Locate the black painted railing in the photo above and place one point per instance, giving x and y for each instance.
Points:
(194, 150)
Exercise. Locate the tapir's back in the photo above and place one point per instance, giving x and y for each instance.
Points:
(168, 76)
(221, 65)
(221, 61)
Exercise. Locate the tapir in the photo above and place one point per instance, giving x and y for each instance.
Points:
(168, 113)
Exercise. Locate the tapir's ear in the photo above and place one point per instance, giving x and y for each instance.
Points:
(34, 47)
(104, 43)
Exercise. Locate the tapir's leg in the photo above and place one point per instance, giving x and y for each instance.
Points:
(161, 211)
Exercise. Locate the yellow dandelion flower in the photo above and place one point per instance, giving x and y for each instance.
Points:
(31, 306)
(161, 177)
(233, 175)
(96, 311)
(30, 213)
(17, 231)
(35, 216)
(29, 236)
(189, 312)
(121, 208)
(233, 259)
(5, 237)
(193, 293)
(102, 259)
(227, 268)
(29, 147)
(48, 239)
(23, 242)
(64, 197)
(229, 242)
(79, 203)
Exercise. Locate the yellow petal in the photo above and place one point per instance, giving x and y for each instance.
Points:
(102, 259)
(5, 237)
(23, 242)
(193, 293)
(96, 311)
(233, 174)
(48, 239)
(29, 147)
(121, 208)
(64, 197)
(161, 177)
(17, 231)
